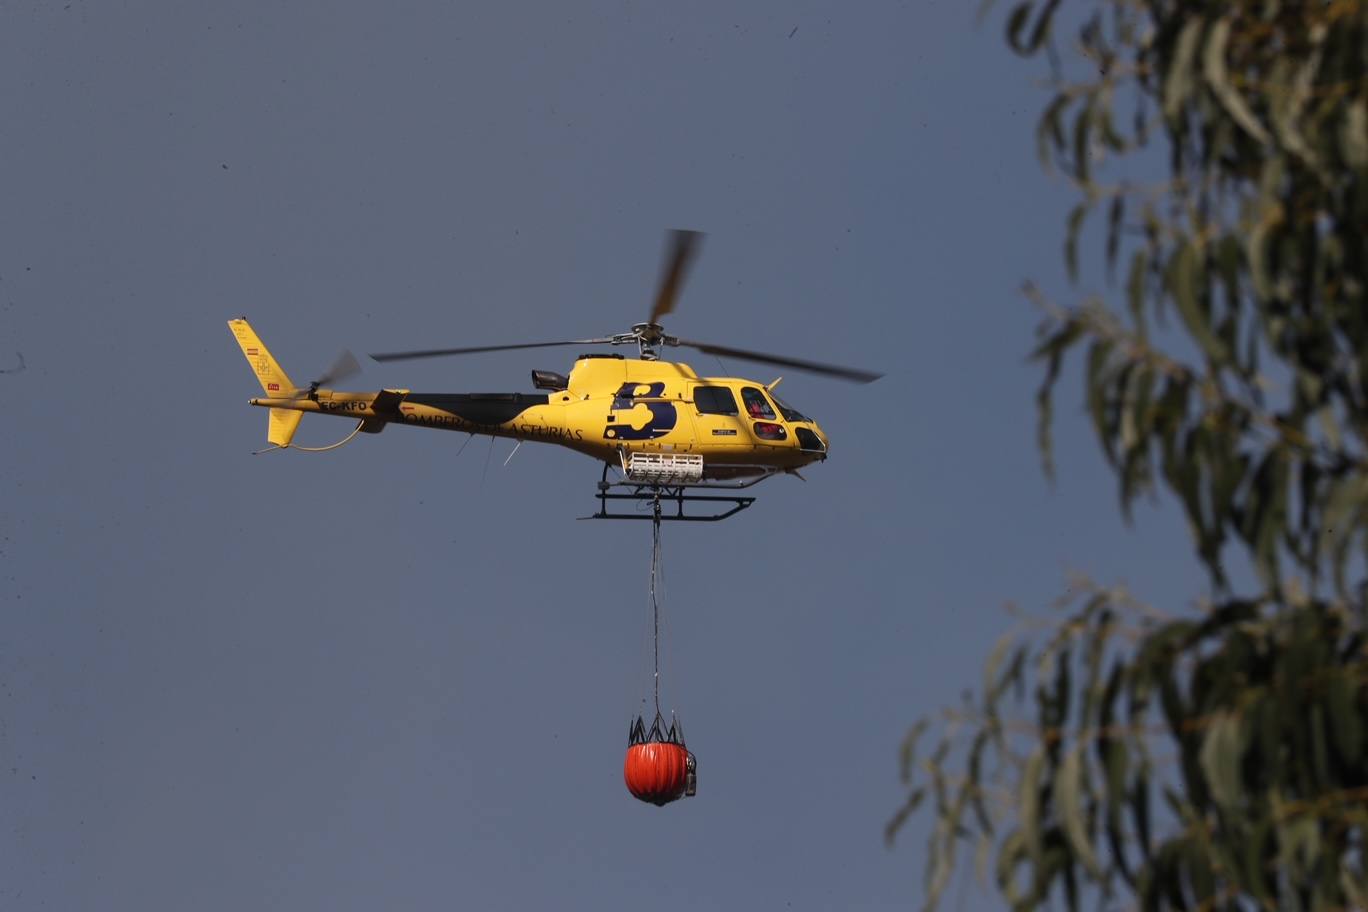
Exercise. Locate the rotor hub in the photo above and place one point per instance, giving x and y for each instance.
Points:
(649, 337)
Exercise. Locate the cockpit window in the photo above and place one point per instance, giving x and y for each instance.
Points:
(714, 400)
(790, 413)
(757, 406)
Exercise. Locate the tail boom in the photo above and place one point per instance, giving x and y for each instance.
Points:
(518, 416)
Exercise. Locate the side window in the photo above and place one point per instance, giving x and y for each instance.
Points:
(714, 400)
(757, 406)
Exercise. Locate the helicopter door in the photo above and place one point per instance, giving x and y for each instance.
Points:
(717, 420)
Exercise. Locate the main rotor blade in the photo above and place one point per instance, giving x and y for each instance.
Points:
(345, 366)
(832, 370)
(683, 248)
(440, 352)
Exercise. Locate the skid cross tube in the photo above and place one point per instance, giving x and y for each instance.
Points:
(656, 495)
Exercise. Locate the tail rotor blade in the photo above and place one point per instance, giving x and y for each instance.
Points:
(345, 366)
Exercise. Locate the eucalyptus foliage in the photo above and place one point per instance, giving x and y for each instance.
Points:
(1218, 758)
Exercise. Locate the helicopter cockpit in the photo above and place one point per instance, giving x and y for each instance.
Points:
(758, 408)
(808, 438)
(789, 412)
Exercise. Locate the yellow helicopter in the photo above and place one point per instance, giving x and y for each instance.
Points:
(666, 430)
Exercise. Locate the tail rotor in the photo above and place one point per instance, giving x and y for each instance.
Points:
(343, 367)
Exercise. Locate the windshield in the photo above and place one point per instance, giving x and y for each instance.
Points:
(790, 413)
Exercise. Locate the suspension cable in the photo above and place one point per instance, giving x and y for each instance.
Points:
(655, 602)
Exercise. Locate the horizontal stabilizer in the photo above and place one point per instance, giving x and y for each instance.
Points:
(281, 426)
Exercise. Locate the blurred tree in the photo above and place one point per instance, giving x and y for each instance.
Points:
(1219, 760)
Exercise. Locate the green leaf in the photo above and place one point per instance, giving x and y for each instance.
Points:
(938, 865)
(1098, 634)
(1076, 217)
(1096, 385)
(1052, 351)
(1187, 285)
(1227, 257)
(1340, 520)
(1135, 289)
(994, 663)
(1111, 746)
(1029, 806)
(1320, 753)
(1056, 709)
(1354, 135)
(1082, 136)
(1042, 27)
(1115, 214)
(1228, 470)
(909, 807)
(973, 786)
(1346, 723)
(983, 852)
(1198, 869)
(1214, 68)
(1015, 674)
(1222, 752)
(1140, 812)
(1299, 843)
(1069, 789)
(1011, 855)
(1266, 216)
(907, 752)
(1111, 138)
(1263, 517)
(1016, 21)
(1355, 888)
(1177, 80)
(1291, 82)
(1135, 409)
(1254, 869)
(1050, 130)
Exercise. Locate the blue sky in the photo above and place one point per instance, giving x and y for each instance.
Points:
(392, 676)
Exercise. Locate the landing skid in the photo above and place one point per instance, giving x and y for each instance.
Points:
(657, 495)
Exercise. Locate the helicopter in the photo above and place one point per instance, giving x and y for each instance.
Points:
(665, 429)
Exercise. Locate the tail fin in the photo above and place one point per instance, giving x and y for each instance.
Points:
(275, 382)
